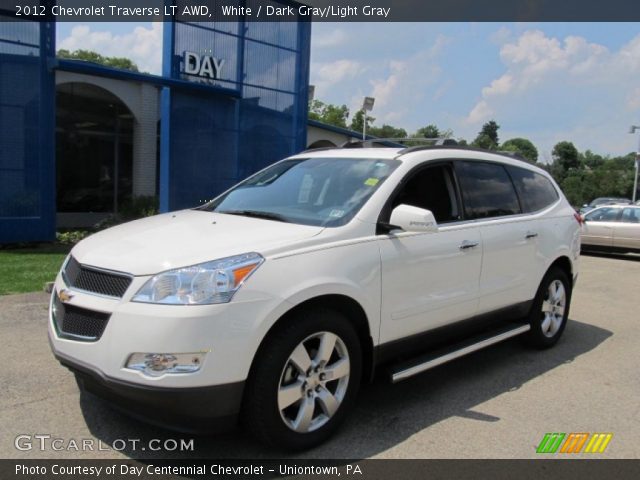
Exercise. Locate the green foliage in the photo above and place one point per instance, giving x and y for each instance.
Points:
(488, 137)
(94, 57)
(591, 160)
(523, 147)
(485, 142)
(430, 131)
(387, 131)
(140, 206)
(328, 113)
(71, 237)
(358, 119)
(565, 157)
(592, 175)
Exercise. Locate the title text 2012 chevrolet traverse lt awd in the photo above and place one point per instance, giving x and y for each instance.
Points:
(273, 302)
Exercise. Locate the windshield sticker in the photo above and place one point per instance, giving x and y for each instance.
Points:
(336, 213)
(371, 182)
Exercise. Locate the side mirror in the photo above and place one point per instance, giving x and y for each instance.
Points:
(413, 219)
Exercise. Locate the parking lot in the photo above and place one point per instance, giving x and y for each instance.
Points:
(497, 403)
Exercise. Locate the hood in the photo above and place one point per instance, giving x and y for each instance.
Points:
(179, 239)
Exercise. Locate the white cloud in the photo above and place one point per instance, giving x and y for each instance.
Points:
(500, 36)
(327, 74)
(407, 82)
(480, 113)
(332, 38)
(142, 45)
(586, 91)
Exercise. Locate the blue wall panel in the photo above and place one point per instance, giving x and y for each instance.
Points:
(216, 139)
(27, 162)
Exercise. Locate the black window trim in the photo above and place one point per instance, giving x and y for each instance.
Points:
(385, 212)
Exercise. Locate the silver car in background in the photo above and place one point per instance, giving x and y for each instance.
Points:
(613, 228)
(602, 201)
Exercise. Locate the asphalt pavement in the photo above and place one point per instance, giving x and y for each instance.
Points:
(497, 403)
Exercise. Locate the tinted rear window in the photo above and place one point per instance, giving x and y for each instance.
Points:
(487, 190)
(535, 191)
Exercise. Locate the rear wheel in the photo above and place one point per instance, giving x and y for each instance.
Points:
(304, 380)
(550, 310)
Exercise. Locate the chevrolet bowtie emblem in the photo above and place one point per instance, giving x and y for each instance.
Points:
(64, 295)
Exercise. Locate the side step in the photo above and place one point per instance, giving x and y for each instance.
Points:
(420, 364)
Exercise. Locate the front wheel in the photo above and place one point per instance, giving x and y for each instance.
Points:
(304, 380)
(550, 310)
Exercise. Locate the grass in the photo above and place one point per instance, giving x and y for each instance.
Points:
(28, 269)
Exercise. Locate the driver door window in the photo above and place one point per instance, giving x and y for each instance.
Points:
(431, 188)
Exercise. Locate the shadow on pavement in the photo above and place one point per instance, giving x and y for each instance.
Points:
(385, 414)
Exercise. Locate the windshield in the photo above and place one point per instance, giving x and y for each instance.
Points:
(314, 191)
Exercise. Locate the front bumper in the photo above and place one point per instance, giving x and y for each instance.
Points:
(208, 399)
(227, 334)
(190, 410)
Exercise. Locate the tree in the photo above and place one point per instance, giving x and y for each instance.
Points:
(387, 131)
(595, 176)
(566, 154)
(591, 160)
(430, 131)
(357, 121)
(330, 114)
(565, 158)
(523, 147)
(94, 57)
(488, 137)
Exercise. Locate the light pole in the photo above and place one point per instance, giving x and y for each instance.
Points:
(367, 106)
(632, 130)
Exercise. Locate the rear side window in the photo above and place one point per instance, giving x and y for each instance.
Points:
(602, 215)
(487, 190)
(631, 215)
(535, 191)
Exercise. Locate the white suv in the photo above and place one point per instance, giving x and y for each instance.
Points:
(271, 303)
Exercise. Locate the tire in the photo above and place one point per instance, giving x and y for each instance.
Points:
(550, 310)
(296, 401)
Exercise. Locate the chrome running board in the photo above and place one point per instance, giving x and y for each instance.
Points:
(426, 362)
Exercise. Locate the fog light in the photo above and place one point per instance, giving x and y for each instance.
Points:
(156, 364)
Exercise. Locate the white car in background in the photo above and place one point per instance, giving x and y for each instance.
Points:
(272, 303)
(613, 228)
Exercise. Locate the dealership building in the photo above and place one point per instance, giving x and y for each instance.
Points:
(80, 140)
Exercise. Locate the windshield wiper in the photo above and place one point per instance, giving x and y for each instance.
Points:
(255, 214)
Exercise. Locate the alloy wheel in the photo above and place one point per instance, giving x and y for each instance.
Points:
(553, 308)
(314, 382)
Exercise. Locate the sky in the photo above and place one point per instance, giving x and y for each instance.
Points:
(547, 82)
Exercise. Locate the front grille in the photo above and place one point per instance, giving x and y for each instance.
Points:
(78, 323)
(94, 280)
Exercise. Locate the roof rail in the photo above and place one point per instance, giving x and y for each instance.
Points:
(504, 153)
(515, 155)
(396, 142)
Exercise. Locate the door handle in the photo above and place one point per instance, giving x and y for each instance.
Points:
(468, 244)
(531, 234)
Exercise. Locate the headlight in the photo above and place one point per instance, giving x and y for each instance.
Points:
(202, 284)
